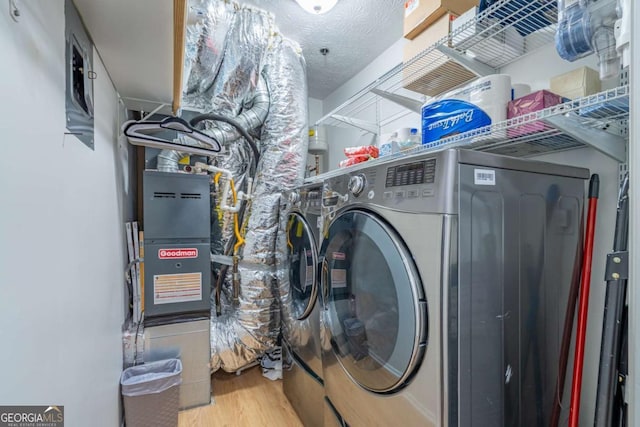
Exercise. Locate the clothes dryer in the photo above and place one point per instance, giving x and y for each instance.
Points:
(446, 277)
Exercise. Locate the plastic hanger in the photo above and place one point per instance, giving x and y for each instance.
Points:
(141, 133)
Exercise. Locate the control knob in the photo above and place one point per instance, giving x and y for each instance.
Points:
(356, 184)
(294, 197)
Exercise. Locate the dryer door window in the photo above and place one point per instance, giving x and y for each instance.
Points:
(376, 309)
(303, 263)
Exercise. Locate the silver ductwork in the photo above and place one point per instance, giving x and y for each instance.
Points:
(301, 333)
(236, 83)
(225, 49)
(208, 26)
(251, 118)
(285, 134)
(297, 332)
(243, 61)
(237, 161)
(243, 333)
(238, 66)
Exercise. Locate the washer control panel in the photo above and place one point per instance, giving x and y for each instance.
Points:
(410, 182)
(418, 184)
(423, 172)
(311, 198)
(314, 194)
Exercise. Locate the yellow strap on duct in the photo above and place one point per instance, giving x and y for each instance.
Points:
(216, 179)
(236, 226)
(289, 225)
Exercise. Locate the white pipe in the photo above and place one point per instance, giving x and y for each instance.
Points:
(148, 116)
(226, 192)
(623, 32)
(249, 187)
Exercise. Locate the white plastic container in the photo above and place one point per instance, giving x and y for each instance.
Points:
(403, 134)
(317, 140)
(411, 141)
(390, 146)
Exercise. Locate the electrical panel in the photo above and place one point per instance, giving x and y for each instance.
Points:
(79, 76)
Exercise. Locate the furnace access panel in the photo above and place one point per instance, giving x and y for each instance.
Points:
(177, 236)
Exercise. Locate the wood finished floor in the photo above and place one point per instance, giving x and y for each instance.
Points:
(245, 400)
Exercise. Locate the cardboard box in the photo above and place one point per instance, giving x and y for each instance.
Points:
(530, 103)
(487, 42)
(437, 31)
(435, 73)
(420, 14)
(441, 76)
(580, 82)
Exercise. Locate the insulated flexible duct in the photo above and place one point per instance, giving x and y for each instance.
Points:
(232, 90)
(239, 336)
(238, 125)
(248, 119)
(225, 50)
(239, 74)
(208, 26)
(297, 332)
(300, 334)
(285, 140)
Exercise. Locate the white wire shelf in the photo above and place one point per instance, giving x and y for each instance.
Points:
(500, 35)
(597, 121)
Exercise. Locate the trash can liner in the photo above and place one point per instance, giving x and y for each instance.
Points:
(153, 377)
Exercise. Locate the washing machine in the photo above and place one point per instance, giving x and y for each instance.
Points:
(302, 364)
(445, 279)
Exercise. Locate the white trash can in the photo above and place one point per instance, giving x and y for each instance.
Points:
(151, 393)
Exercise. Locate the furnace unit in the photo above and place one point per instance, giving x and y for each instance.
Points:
(177, 244)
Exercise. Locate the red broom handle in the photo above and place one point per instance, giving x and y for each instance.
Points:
(578, 361)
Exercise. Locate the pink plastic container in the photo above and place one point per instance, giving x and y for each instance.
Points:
(530, 103)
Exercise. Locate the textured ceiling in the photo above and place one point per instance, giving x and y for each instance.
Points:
(354, 31)
(135, 40)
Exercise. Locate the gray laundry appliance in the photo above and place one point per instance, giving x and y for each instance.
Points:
(446, 277)
(302, 361)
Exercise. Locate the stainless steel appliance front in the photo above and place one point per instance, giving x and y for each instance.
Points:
(302, 364)
(446, 278)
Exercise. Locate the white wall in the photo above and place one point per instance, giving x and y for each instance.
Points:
(383, 63)
(314, 114)
(341, 137)
(61, 238)
(536, 70)
(315, 110)
(607, 169)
